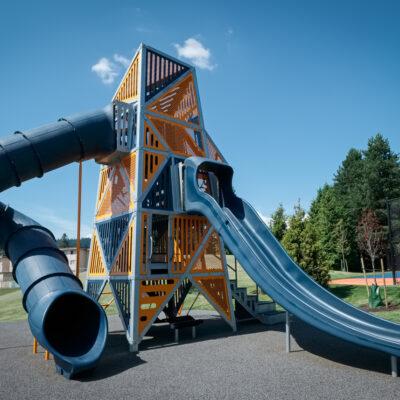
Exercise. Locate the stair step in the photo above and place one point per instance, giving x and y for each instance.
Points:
(265, 306)
(272, 317)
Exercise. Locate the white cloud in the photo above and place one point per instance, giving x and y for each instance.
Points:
(230, 32)
(108, 70)
(105, 70)
(196, 53)
(122, 60)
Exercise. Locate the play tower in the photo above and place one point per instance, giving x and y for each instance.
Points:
(144, 244)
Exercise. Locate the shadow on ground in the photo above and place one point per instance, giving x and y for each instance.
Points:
(334, 349)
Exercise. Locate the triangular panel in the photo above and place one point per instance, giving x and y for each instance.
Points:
(152, 162)
(160, 194)
(216, 290)
(123, 261)
(122, 294)
(188, 232)
(151, 139)
(179, 102)
(117, 198)
(105, 175)
(210, 260)
(95, 287)
(179, 138)
(160, 72)
(128, 90)
(96, 265)
(111, 233)
(129, 163)
(152, 294)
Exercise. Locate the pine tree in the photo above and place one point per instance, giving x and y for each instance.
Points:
(278, 224)
(293, 235)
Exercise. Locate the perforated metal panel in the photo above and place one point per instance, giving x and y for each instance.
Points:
(160, 72)
(122, 293)
(160, 195)
(111, 233)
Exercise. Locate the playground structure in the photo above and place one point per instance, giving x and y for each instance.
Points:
(165, 213)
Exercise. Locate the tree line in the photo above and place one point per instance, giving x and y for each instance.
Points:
(331, 235)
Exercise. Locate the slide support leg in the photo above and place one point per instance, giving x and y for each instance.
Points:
(393, 361)
(287, 325)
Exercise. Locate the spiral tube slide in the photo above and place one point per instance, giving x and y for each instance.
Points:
(64, 319)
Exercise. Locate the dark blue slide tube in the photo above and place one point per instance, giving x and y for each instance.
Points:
(63, 318)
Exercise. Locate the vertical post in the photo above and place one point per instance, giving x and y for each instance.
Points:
(46, 355)
(392, 255)
(35, 346)
(365, 275)
(287, 326)
(236, 274)
(78, 224)
(393, 362)
(384, 283)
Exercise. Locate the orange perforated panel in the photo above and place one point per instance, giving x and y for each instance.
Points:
(117, 198)
(96, 265)
(187, 234)
(180, 139)
(105, 174)
(151, 139)
(128, 89)
(152, 162)
(210, 260)
(152, 294)
(129, 163)
(179, 102)
(123, 261)
(217, 290)
(144, 244)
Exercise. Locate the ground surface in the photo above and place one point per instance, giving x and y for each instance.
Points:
(218, 365)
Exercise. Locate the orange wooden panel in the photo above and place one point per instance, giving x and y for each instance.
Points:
(129, 163)
(217, 290)
(179, 102)
(128, 89)
(152, 294)
(105, 175)
(187, 234)
(210, 260)
(152, 162)
(117, 198)
(123, 261)
(179, 138)
(144, 244)
(96, 265)
(151, 139)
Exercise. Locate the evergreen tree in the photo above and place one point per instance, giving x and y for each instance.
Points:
(64, 241)
(278, 224)
(382, 173)
(310, 260)
(293, 235)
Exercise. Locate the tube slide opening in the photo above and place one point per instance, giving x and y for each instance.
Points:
(72, 324)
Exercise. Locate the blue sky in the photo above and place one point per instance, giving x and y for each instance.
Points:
(287, 87)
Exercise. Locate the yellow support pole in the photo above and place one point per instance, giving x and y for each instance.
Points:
(78, 225)
(46, 355)
(34, 346)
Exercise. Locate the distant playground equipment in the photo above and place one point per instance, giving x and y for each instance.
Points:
(165, 213)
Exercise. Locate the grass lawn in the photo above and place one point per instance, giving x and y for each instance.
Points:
(11, 299)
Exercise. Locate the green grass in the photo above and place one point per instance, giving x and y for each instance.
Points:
(11, 299)
(343, 275)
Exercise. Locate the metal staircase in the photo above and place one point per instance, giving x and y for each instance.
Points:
(249, 306)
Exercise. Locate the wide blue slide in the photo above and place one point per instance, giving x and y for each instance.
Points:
(268, 264)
